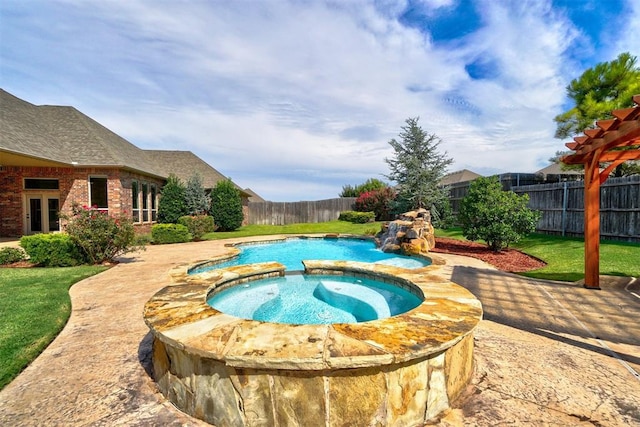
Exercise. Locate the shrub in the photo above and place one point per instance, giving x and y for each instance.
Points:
(357, 217)
(371, 231)
(498, 217)
(369, 185)
(10, 255)
(142, 240)
(197, 201)
(172, 203)
(377, 201)
(52, 250)
(101, 237)
(226, 206)
(198, 225)
(170, 233)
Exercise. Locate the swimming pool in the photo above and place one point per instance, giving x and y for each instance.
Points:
(291, 251)
(314, 299)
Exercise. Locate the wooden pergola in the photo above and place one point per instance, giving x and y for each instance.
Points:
(601, 150)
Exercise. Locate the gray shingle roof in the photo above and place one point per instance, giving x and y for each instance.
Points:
(184, 164)
(463, 175)
(556, 169)
(65, 135)
(254, 197)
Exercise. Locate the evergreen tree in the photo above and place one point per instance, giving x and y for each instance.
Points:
(417, 167)
(172, 201)
(196, 199)
(226, 206)
(599, 90)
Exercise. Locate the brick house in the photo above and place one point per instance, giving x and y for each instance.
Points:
(52, 157)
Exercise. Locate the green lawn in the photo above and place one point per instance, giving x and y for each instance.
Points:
(342, 227)
(34, 307)
(565, 256)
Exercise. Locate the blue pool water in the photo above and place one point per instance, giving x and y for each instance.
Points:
(314, 299)
(291, 252)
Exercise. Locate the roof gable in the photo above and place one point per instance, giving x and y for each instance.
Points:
(463, 175)
(185, 164)
(65, 135)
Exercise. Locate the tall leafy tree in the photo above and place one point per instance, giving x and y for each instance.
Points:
(226, 206)
(196, 198)
(417, 167)
(599, 90)
(172, 201)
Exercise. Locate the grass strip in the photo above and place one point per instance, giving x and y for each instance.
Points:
(34, 307)
(341, 227)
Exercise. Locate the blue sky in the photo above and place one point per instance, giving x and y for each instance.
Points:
(295, 99)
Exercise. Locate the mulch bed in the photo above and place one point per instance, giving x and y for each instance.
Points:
(510, 260)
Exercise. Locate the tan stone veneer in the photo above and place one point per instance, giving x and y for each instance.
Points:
(399, 371)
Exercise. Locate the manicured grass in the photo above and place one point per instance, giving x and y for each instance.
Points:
(565, 256)
(342, 227)
(34, 307)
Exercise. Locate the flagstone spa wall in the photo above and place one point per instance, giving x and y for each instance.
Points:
(403, 370)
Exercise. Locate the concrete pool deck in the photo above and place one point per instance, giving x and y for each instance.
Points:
(546, 353)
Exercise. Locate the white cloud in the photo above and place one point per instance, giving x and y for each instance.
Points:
(629, 38)
(298, 98)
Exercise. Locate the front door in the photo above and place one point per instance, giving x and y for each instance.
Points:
(42, 213)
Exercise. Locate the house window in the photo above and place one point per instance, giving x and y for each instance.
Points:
(154, 203)
(145, 202)
(135, 201)
(98, 193)
(41, 184)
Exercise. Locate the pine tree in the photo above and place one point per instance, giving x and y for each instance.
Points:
(417, 167)
(196, 199)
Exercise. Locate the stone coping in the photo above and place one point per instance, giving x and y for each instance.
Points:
(179, 316)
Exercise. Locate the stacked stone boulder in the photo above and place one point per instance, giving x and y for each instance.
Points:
(410, 234)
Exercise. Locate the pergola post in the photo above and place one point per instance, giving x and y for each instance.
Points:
(592, 225)
(611, 143)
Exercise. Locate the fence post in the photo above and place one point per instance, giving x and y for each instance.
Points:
(565, 202)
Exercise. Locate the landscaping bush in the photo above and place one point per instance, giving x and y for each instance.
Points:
(498, 217)
(369, 185)
(357, 217)
(377, 201)
(100, 236)
(172, 203)
(170, 233)
(10, 255)
(196, 199)
(52, 250)
(198, 225)
(226, 206)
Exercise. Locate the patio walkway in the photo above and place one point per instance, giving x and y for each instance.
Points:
(546, 353)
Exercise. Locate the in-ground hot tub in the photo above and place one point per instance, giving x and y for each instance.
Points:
(228, 371)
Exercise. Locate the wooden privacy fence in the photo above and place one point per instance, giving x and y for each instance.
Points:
(283, 213)
(562, 207)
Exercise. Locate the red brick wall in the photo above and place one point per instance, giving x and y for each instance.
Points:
(10, 202)
(74, 188)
